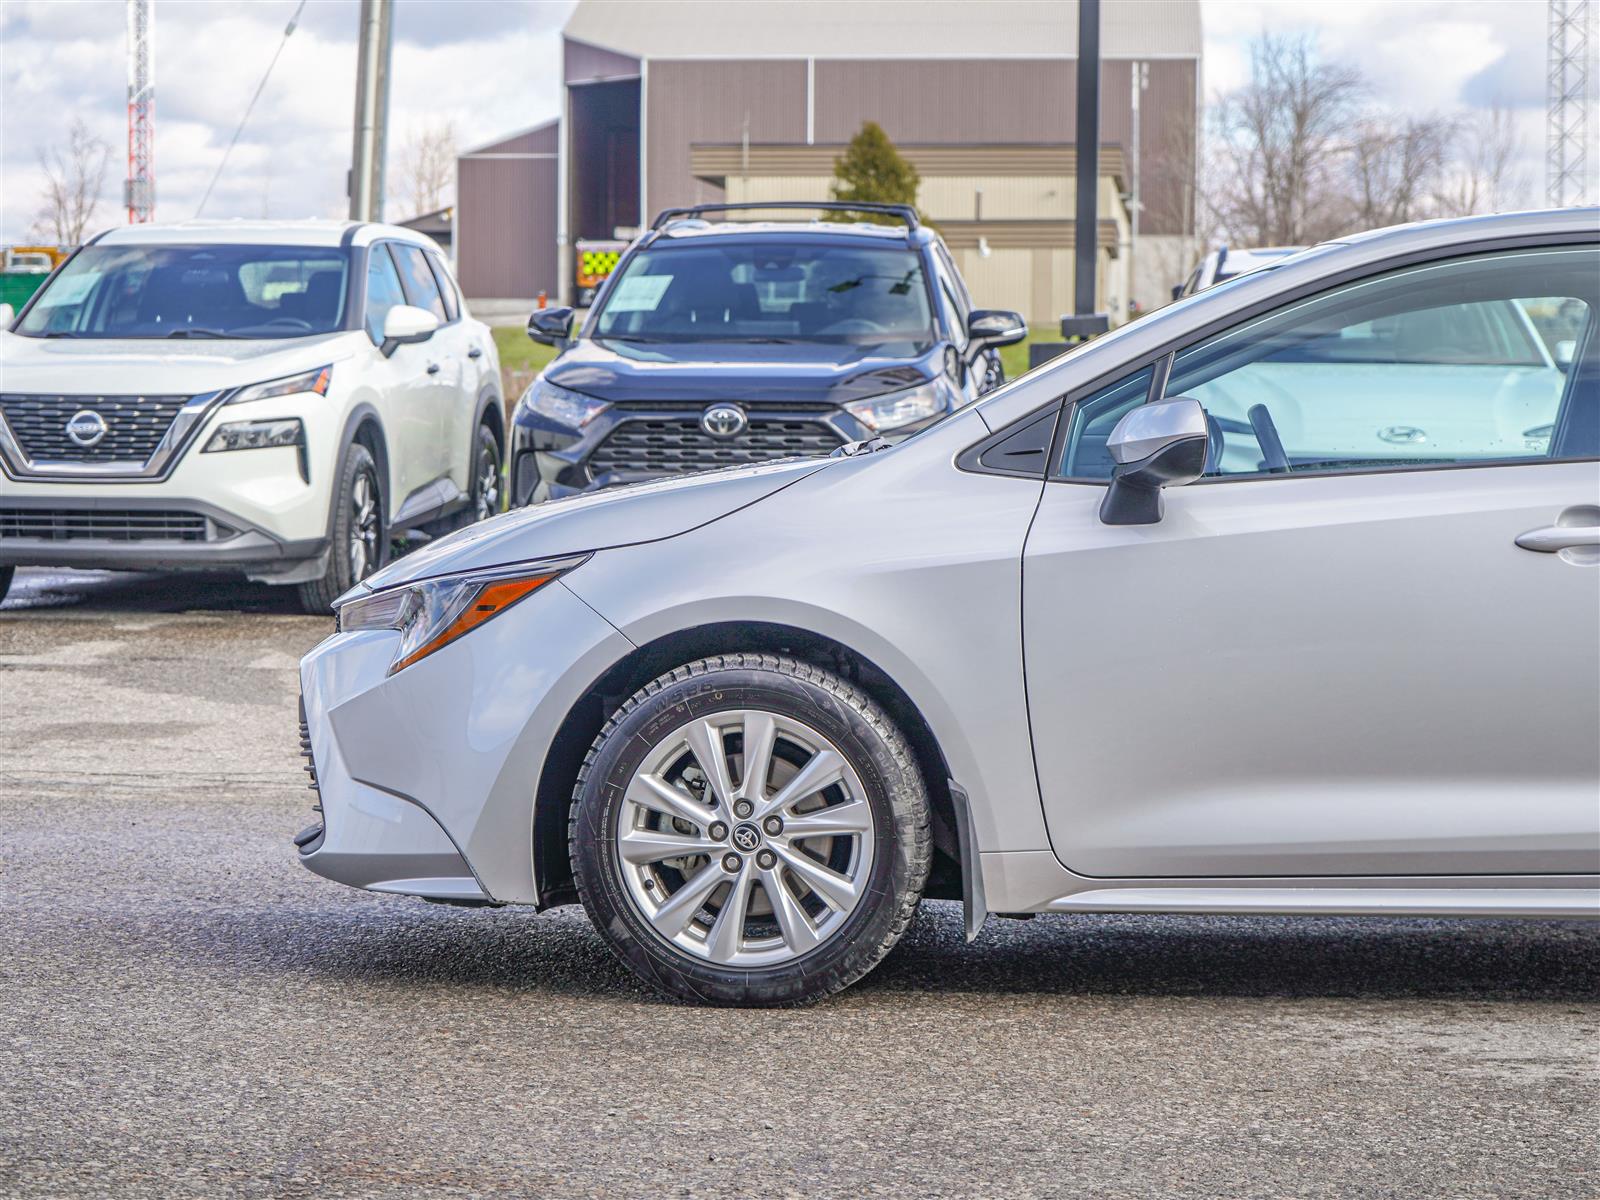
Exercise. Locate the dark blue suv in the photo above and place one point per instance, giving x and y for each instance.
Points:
(720, 343)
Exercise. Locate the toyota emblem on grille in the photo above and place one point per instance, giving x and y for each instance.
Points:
(724, 420)
(87, 427)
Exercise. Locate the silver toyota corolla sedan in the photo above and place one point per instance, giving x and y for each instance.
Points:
(1285, 599)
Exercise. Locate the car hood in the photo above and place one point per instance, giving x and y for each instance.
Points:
(645, 512)
(748, 372)
(144, 366)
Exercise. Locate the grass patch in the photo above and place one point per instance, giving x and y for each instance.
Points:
(1015, 358)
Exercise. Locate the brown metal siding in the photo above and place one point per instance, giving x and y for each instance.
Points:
(506, 227)
(707, 102)
(545, 139)
(946, 100)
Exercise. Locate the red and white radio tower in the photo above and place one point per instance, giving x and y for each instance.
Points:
(140, 190)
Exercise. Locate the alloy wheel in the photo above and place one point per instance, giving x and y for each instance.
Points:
(745, 838)
(365, 526)
(487, 490)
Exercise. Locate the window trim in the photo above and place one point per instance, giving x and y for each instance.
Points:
(405, 288)
(1434, 254)
(448, 292)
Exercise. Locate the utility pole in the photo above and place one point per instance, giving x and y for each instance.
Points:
(1139, 79)
(372, 112)
(1085, 322)
(1568, 99)
(139, 190)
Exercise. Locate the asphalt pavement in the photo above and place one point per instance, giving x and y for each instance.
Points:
(184, 1011)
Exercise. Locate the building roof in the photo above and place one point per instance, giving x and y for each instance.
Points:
(747, 29)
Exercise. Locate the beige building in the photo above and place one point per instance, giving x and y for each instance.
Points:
(697, 101)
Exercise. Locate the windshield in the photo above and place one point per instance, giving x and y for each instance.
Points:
(192, 291)
(770, 291)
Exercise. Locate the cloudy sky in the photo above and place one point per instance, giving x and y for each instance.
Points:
(493, 66)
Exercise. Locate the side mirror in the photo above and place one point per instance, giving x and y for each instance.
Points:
(7, 314)
(1155, 446)
(404, 325)
(995, 327)
(552, 326)
(1565, 351)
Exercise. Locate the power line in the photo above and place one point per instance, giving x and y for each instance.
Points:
(249, 108)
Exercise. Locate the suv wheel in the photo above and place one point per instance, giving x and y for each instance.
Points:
(750, 829)
(485, 475)
(360, 543)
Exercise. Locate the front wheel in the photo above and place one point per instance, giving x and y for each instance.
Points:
(485, 475)
(360, 542)
(750, 829)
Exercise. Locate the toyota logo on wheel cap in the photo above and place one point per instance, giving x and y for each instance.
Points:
(747, 838)
(87, 428)
(724, 420)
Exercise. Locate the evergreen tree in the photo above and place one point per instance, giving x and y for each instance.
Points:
(873, 171)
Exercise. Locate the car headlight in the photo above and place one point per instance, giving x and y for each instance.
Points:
(894, 409)
(316, 381)
(564, 405)
(431, 613)
(256, 435)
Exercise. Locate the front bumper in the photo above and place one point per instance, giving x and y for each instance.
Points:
(427, 777)
(629, 443)
(137, 533)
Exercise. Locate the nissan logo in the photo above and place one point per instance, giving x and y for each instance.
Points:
(724, 420)
(87, 428)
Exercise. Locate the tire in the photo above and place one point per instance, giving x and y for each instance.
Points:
(488, 494)
(790, 946)
(7, 574)
(358, 521)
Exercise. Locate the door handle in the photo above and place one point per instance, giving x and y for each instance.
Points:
(433, 368)
(1554, 538)
(474, 353)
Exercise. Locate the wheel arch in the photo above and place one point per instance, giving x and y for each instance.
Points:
(552, 867)
(364, 425)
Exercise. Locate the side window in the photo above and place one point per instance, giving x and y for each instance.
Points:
(1466, 361)
(421, 290)
(447, 287)
(383, 289)
(1093, 418)
(953, 298)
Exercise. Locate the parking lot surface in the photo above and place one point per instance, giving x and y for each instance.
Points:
(188, 1012)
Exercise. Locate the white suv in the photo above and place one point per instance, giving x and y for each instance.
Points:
(274, 397)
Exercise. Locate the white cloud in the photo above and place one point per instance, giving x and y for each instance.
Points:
(489, 66)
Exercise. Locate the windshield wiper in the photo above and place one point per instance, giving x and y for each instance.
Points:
(197, 331)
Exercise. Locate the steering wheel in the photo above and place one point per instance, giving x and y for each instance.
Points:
(306, 325)
(1267, 436)
(855, 325)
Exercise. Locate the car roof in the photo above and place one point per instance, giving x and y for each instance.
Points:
(694, 227)
(242, 232)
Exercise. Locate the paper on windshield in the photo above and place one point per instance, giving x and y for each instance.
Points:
(638, 293)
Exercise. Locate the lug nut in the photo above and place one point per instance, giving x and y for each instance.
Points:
(743, 808)
(773, 826)
(766, 860)
(718, 831)
(731, 863)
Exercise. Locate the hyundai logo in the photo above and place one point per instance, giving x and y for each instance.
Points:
(1403, 435)
(724, 420)
(87, 428)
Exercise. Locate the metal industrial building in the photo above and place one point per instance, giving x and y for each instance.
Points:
(689, 101)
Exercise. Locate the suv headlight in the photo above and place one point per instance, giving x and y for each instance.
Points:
(431, 613)
(316, 381)
(894, 409)
(563, 405)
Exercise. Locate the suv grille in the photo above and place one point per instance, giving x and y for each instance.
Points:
(135, 426)
(676, 444)
(104, 524)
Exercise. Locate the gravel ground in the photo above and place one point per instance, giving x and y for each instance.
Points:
(187, 1012)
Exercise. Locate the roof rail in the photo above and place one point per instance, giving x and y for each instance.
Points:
(905, 212)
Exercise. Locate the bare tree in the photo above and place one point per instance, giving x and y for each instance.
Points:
(75, 175)
(1396, 168)
(1280, 142)
(428, 166)
(1481, 177)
